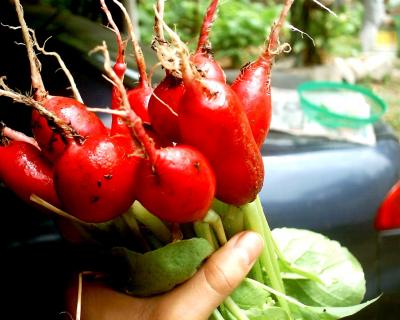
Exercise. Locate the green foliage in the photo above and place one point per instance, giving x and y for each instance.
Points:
(159, 270)
(241, 25)
(337, 296)
(332, 35)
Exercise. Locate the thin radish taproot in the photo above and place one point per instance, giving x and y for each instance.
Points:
(6, 132)
(118, 125)
(253, 84)
(140, 95)
(203, 58)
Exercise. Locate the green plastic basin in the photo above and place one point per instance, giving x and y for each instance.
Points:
(337, 104)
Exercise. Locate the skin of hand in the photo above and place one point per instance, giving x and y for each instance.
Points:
(193, 300)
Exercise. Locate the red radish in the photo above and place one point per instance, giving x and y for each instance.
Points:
(212, 120)
(96, 181)
(164, 103)
(163, 107)
(178, 186)
(25, 171)
(171, 174)
(70, 111)
(253, 85)
(90, 170)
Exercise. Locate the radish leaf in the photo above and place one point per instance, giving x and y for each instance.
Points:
(159, 270)
(343, 282)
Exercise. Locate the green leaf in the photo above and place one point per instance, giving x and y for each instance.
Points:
(248, 296)
(341, 273)
(327, 313)
(268, 312)
(159, 270)
(300, 311)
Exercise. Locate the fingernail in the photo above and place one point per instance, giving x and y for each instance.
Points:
(250, 244)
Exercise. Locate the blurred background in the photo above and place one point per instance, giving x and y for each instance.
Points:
(357, 44)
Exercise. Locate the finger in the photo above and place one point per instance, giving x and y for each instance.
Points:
(219, 276)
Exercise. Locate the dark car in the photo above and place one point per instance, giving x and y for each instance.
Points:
(332, 187)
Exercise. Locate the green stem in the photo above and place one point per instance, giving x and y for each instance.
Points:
(220, 207)
(133, 225)
(203, 230)
(256, 272)
(291, 268)
(233, 221)
(216, 315)
(271, 247)
(235, 309)
(216, 223)
(254, 221)
(154, 224)
(275, 292)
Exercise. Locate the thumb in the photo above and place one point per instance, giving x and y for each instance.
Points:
(216, 279)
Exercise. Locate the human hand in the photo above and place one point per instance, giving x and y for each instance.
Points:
(193, 300)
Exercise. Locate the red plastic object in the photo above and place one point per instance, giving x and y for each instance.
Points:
(388, 216)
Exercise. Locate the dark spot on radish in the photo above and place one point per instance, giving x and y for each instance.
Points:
(94, 199)
(196, 165)
(108, 176)
(245, 67)
(99, 184)
(53, 139)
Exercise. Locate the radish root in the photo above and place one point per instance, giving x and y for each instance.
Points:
(273, 47)
(16, 135)
(54, 121)
(68, 74)
(175, 55)
(43, 203)
(40, 92)
(132, 120)
(64, 68)
(135, 45)
(203, 45)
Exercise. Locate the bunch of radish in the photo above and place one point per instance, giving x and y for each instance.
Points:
(186, 142)
(185, 151)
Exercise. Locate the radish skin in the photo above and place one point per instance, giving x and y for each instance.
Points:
(253, 84)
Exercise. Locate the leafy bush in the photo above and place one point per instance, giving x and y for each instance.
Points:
(241, 26)
(333, 36)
